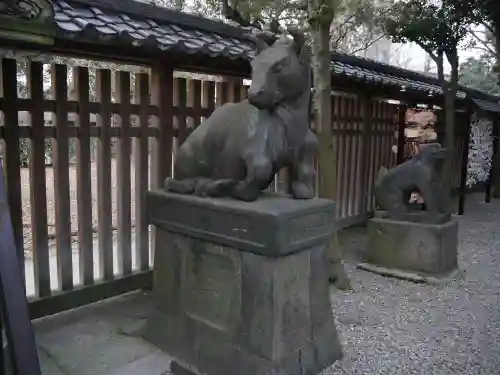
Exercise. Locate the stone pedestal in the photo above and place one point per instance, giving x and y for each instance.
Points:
(242, 288)
(412, 250)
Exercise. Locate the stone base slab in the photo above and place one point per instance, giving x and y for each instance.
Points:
(177, 368)
(425, 251)
(411, 276)
(415, 217)
(252, 302)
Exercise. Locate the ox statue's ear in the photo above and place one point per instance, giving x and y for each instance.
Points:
(299, 44)
(259, 38)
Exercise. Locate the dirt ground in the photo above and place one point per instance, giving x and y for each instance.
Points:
(26, 205)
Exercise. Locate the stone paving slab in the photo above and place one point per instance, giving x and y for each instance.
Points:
(47, 364)
(102, 339)
(156, 363)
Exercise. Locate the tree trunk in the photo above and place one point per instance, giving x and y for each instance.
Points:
(320, 19)
(450, 95)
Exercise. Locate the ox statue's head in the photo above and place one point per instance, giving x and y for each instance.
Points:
(280, 72)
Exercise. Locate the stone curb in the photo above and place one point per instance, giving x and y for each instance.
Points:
(410, 276)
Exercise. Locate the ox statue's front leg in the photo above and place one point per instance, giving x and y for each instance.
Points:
(303, 169)
(259, 175)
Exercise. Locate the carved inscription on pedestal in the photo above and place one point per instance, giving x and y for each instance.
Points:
(308, 226)
(211, 284)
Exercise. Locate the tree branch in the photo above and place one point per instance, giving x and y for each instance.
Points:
(488, 27)
(334, 43)
(367, 45)
(486, 47)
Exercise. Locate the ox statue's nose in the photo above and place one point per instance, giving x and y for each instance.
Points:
(260, 99)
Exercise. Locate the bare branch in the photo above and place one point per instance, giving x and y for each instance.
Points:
(486, 47)
(367, 45)
(488, 27)
(335, 42)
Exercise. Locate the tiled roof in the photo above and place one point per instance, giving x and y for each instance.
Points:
(144, 25)
(375, 72)
(488, 106)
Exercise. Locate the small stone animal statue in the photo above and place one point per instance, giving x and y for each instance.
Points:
(421, 173)
(237, 151)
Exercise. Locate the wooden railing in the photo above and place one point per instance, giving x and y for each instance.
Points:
(70, 205)
(363, 130)
(81, 230)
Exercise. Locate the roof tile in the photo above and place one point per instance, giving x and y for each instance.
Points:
(137, 24)
(105, 30)
(69, 27)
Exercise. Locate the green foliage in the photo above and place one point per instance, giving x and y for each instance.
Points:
(488, 11)
(355, 26)
(24, 152)
(438, 29)
(479, 74)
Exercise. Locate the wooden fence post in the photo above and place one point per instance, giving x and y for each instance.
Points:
(60, 152)
(179, 101)
(13, 303)
(222, 93)
(124, 193)
(366, 150)
(84, 177)
(12, 157)
(208, 96)
(141, 170)
(38, 188)
(162, 96)
(104, 222)
(162, 84)
(403, 107)
(194, 103)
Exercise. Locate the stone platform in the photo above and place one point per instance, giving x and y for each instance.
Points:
(242, 288)
(412, 250)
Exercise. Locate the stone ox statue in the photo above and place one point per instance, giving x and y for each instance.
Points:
(241, 146)
(421, 173)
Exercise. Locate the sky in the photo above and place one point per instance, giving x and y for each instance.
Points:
(416, 56)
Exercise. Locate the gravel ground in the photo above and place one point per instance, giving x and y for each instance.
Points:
(394, 327)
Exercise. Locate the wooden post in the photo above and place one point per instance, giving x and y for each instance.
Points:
(222, 93)
(495, 134)
(83, 172)
(123, 176)
(162, 84)
(366, 109)
(13, 302)
(194, 103)
(141, 155)
(463, 169)
(179, 101)
(2, 357)
(38, 187)
(12, 159)
(61, 178)
(403, 107)
(162, 96)
(104, 221)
